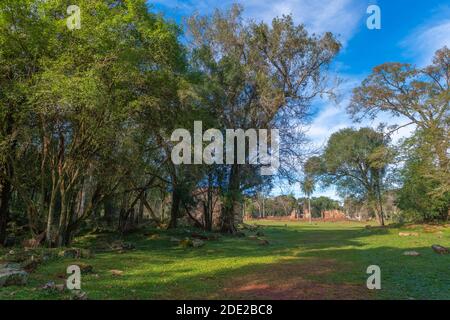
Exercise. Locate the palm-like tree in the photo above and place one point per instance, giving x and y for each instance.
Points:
(308, 187)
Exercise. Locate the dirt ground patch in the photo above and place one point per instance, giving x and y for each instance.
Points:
(292, 281)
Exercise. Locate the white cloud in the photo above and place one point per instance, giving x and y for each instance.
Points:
(342, 17)
(333, 117)
(432, 35)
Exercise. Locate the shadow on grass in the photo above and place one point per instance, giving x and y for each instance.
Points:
(301, 262)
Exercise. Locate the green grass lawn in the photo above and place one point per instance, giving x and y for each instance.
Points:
(302, 261)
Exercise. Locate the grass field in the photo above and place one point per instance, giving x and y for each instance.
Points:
(302, 261)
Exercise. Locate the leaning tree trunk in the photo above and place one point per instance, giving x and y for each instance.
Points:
(61, 235)
(140, 214)
(174, 211)
(108, 208)
(231, 201)
(209, 206)
(50, 217)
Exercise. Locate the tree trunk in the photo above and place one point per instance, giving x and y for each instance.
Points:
(209, 206)
(263, 207)
(6, 176)
(62, 217)
(5, 198)
(174, 211)
(108, 211)
(309, 210)
(57, 181)
(207, 209)
(231, 199)
(380, 204)
(376, 202)
(51, 209)
(140, 214)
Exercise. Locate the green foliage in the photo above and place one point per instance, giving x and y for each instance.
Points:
(255, 76)
(421, 197)
(308, 186)
(356, 161)
(422, 96)
(84, 105)
(352, 160)
(321, 204)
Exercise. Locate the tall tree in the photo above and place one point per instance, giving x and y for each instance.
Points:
(421, 95)
(357, 162)
(254, 75)
(96, 101)
(23, 45)
(308, 187)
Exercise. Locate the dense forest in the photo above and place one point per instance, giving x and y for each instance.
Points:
(87, 114)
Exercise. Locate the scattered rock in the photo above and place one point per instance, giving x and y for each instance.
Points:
(411, 253)
(173, 239)
(196, 243)
(18, 257)
(79, 295)
(116, 273)
(70, 253)
(31, 264)
(186, 243)
(47, 256)
(76, 253)
(60, 287)
(49, 285)
(87, 254)
(439, 249)
(253, 237)
(408, 234)
(85, 268)
(11, 274)
(122, 246)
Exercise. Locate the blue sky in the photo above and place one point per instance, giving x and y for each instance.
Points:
(411, 31)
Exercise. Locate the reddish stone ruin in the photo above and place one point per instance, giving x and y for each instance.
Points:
(205, 199)
(328, 215)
